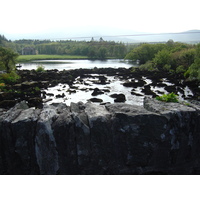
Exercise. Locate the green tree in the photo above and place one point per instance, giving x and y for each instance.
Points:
(92, 52)
(8, 59)
(193, 71)
(162, 58)
(102, 53)
(144, 52)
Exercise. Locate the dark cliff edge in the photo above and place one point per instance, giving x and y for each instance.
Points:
(159, 138)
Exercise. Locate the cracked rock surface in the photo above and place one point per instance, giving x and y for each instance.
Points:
(157, 138)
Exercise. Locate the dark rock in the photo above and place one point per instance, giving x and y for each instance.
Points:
(118, 97)
(134, 83)
(170, 88)
(35, 102)
(147, 91)
(97, 91)
(50, 94)
(136, 94)
(106, 90)
(60, 95)
(96, 100)
(71, 91)
(7, 103)
(102, 80)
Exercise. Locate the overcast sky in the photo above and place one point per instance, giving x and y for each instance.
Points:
(154, 16)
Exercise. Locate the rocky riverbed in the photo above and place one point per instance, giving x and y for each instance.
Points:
(96, 85)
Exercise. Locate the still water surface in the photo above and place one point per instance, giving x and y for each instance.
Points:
(76, 64)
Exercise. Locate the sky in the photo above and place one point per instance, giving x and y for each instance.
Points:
(22, 17)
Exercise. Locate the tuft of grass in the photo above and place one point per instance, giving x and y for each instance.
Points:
(40, 68)
(168, 98)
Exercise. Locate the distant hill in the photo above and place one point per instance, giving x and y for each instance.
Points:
(109, 34)
(187, 36)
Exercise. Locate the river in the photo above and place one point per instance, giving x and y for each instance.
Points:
(76, 64)
(84, 93)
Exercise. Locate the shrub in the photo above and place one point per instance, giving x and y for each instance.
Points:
(9, 78)
(148, 66)
(168, 98)
(193, 73)
(180, 69)
(2, 85)
(40, 68)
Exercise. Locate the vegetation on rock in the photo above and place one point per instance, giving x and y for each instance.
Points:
(40, 68)
(168, 98)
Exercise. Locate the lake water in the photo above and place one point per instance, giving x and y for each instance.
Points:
(76, 64)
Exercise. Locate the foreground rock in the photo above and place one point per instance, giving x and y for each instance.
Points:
(158, 138)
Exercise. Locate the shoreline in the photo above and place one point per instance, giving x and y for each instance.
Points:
(30, 58)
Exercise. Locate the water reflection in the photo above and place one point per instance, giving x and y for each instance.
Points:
(76, 64)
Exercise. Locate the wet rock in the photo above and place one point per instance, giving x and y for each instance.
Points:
(170, 88)
(136, 94)
(97, 100)
(118, 97)
(71, 91)
(147, 91)
(96, 92)
(102, 80)
(106, 90)
(50, 94)
(134, 83)
(60, 95)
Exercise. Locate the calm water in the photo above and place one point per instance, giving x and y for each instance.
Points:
(76, 64)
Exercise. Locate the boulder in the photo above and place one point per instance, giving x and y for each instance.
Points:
(97, 91)
(96, 100)
(118, 97)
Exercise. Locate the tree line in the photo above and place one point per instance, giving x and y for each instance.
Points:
(174, 57)
(92, 49)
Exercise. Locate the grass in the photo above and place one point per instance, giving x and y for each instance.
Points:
(28, 58)
(40, 68)
(168, 98)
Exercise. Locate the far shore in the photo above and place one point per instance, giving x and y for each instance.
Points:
(28, 58)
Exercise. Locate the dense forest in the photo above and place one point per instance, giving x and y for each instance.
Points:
(174, 57)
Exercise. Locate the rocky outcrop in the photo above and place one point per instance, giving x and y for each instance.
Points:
(159, 138)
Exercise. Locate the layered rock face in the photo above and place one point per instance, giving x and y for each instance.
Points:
(159, 138)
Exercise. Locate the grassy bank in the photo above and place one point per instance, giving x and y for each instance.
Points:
(28, 58)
